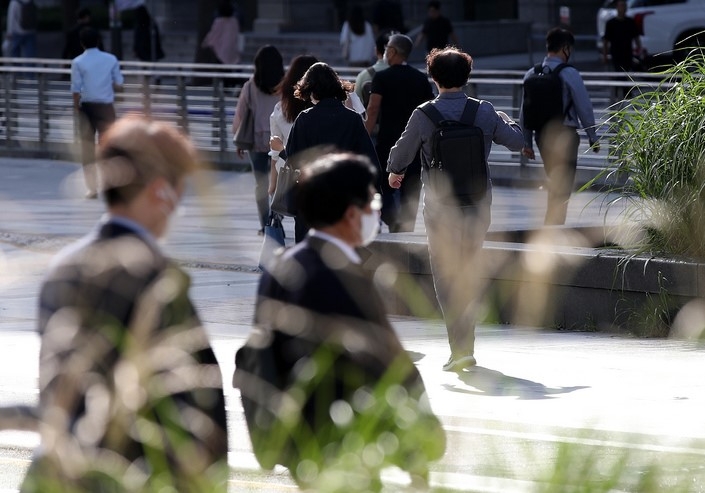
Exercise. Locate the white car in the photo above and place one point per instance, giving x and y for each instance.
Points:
(668, 27)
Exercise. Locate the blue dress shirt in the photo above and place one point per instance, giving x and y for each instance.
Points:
(93, 74)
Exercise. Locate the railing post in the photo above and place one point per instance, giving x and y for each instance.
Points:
(9, 82)
(219, 125)
(183, 103)
(146, 95)
(41, 110)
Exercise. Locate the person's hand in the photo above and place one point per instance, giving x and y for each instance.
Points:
(595, 146)
(528, 152)
(276, 143)
(395, 180)
(240, 153)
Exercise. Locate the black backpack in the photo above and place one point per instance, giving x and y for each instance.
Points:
(28, 16)
(458, 171)
(543, 96)
(366, 89)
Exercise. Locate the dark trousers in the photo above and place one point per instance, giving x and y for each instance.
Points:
(261, 162)
(558, 146)
(399, 206)
(94, 118)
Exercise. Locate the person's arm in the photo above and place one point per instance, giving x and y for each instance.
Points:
(582, 104)
(373, 106)
(76, 85)
(406, 148)
(242, 101)
(118, 79)
(507, 132)
(12, 19)
(528, 149)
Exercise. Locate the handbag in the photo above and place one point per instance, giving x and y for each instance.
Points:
(284, 200)
(244, 138)
(273, 240)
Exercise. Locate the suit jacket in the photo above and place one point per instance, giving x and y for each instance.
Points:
(316, 311)
(121, 346)
(330, 123)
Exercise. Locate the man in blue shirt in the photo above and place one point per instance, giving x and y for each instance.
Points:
(558, 142)
(95, 76)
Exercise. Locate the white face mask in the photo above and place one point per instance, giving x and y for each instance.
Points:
(370, 222)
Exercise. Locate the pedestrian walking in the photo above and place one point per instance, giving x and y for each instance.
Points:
(437, 29)
(21, 29)
(95, 76)
(259, 94)
(223, 38)
(72, 43)
(455, 229)
(394, 94)
(363, 81)
(357, 39)
(130, 391)
(622, 36)
(558, 139)
(286, 110)
(321, 322)
(147, 41)
(327, 124)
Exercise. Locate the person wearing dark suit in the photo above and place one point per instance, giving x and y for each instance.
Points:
(72, 43)
(130, 389)
(331, 346)
(328, 124)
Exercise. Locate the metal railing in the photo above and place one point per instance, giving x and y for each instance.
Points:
(38, 119)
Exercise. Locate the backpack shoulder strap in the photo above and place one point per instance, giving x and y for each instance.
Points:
(371, 71)
(432, 113)
(538, 68)
(470, 111)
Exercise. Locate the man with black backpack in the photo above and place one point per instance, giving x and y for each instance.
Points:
(457, 189)
(22, 28)
(555, 104)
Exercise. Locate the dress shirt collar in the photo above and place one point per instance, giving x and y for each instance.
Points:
(349, 251)
(453, 95)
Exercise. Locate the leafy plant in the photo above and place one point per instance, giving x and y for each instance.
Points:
(659, 143)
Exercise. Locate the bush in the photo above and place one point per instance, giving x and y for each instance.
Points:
(660, 145)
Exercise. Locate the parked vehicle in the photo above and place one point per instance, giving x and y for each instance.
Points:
(670, 28)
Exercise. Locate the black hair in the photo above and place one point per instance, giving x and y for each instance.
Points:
(435, 4)
(225, 9)
(559, 38)
(449, 67)
(332, 183)
(269, 69)
(356, 20)
(90, 38)
(381, 41)
(322, 82)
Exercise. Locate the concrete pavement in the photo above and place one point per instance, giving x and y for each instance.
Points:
(539, 387)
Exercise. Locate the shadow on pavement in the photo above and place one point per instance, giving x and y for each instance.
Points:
(495, 383)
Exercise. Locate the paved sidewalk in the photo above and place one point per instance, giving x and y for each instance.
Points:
(534, 389)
